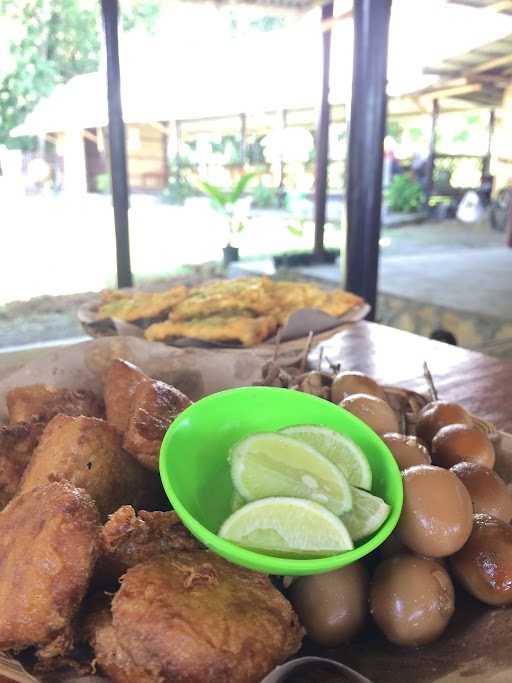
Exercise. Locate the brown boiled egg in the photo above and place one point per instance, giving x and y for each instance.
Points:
(489, 493)
(348, 383)
(484, 564)
(436, 415)
(437, 513)
(408, 450)
(461, 443)
(332, 607)
(374, 411)
(411, 599)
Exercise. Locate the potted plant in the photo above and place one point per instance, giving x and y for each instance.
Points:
(228, 203)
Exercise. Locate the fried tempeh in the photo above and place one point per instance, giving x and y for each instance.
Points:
(143, 305)
(228, 329)
(154, 407)
(121, 380)
(195, 618)
(17, 443)
(49, 541)
(128, 539)
(88, 453)
(251, 295)
(41, 402)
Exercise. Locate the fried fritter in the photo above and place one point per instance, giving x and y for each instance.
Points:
(292, 296)
(40, 402)
(17, 443)
(49, 540)
(155, 405)
(128, 539)
(114, 661)
(87, 452)
(237, 329)
(143, 305)
(121, 380)
(227, 297)
(195, 618)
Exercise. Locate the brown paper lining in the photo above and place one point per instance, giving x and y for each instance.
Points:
(476, 646)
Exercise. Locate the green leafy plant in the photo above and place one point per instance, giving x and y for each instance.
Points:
(178, 190)
(265, 197)
(404, 195)
(226, 201)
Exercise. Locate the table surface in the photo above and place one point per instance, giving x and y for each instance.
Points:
(483, 385)
(477, 643)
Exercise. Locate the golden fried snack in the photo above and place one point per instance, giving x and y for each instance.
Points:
(237, 329)
(227, 297)
(87, 452)
(17, 443)
(143, 305)
(113, 660)
(292, 296)
(40, 402)
(129, 538)
(155, 405)
(49, 540)
(195, 618)
(121, 380)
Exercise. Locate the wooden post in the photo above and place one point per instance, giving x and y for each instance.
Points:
(432, 153)
(281, 190)
(365, 149)
(243, 135)
(118, 172)
(486, 169)
(178, 159)
(322, 141)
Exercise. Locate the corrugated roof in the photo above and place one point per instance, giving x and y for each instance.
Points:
(503, 6)
(479, 75)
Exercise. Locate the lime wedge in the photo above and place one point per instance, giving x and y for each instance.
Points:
(237, 501)
(287, 527)
(265, 465)
(339, 449)
(367, 515)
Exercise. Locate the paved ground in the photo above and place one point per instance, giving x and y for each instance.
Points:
(65, 246)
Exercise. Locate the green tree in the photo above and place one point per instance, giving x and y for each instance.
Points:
(52, 41)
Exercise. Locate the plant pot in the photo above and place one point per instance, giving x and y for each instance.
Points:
(230, 255)
(303, 258)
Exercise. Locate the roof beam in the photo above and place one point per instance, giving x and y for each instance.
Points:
(453, 92)
(491, 64)
(500, 6)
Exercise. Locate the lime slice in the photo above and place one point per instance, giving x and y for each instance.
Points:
(237, 501)
(339, 449)
(287, 527)
(367, 515)
(265, 465)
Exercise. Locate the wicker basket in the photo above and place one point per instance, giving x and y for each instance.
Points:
(409, 403)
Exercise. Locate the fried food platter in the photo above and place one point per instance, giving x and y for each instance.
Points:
(244, 312)
(474, 648)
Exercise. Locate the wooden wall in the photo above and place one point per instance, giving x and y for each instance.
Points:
(147, 157)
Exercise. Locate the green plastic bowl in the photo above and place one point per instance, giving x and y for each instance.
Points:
(196, 475)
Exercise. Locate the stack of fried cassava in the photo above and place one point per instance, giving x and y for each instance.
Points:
(91, 558)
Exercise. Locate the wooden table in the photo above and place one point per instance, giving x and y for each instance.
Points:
(483, 385)
(476, 646)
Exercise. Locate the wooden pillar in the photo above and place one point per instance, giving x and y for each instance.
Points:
(117, 142)
(322, 140)
(177, 128)
(281, 190)
(486, 168)
(432, 152)
(243, 135)
(365, 148)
